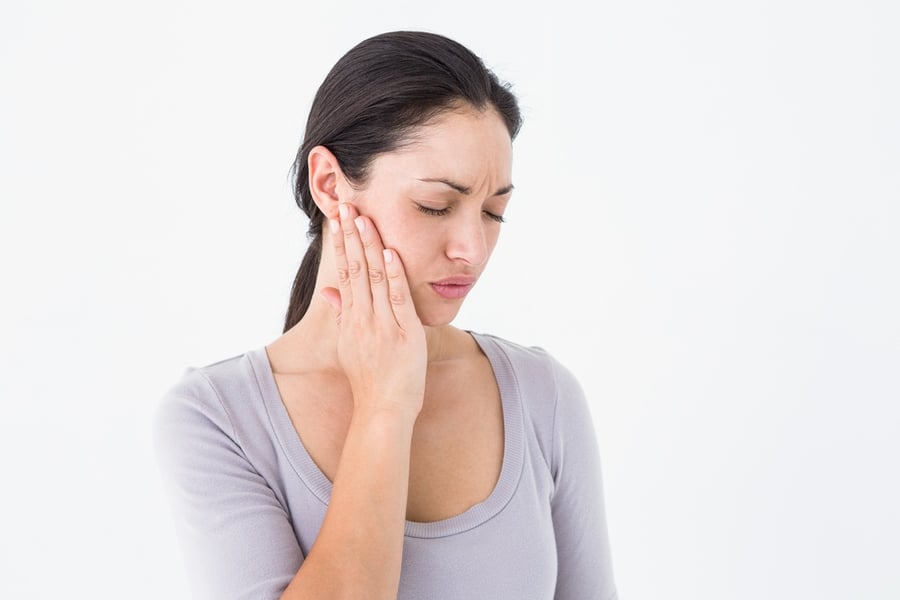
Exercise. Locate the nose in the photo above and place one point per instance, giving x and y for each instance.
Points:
(467, 241)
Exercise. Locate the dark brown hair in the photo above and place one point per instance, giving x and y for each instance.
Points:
(370, 103)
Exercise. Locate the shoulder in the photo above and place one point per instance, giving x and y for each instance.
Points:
(533, 366)
(548, 389)
(518, 354)
(552, 401)
(544, 385)
(204, 396)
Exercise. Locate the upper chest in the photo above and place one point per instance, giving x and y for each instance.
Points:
(458, 440)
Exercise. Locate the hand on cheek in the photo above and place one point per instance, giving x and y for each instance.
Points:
(381, 342)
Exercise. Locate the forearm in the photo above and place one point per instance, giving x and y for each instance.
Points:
(359, 548)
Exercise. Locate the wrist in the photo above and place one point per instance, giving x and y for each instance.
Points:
(389, 414)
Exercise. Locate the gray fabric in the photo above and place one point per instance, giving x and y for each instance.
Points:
(248, 500)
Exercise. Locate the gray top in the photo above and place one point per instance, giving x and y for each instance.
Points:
(249, 501)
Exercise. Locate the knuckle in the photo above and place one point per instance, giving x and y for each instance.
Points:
(354, 268)
(397, 298)
(376, 276)
(343, 276)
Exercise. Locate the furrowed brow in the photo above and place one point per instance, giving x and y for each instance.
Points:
(462, 189)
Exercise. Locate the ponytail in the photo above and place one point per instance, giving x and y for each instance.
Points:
(305, 281)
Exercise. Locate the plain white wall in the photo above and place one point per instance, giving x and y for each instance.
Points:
(704, 229)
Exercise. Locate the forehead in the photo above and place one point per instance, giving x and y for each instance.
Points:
(466, 144)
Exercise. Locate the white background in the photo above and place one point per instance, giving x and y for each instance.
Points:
(704, 229)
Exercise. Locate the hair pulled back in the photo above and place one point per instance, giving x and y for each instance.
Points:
(370, 102)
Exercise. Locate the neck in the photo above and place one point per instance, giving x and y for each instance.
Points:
(311, 344)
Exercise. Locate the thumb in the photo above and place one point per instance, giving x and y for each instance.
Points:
(333, 297)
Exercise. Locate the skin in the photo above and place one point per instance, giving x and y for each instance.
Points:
(377, 337)
(461, 241)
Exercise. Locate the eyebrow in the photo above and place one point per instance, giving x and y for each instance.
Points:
(464, 190)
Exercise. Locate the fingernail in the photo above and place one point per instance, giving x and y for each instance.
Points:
(388, 255)
(342, 208)
(333, 225)
(360, 224)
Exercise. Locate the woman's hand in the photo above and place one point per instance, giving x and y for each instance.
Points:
(381, 344)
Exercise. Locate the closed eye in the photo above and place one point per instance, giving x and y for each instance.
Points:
(439, 212)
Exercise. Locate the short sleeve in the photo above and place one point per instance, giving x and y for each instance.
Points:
(236, 537)
(584, 561)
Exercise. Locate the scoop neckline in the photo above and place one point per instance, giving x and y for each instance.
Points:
(316, 481)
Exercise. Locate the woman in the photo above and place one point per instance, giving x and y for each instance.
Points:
(374, 450)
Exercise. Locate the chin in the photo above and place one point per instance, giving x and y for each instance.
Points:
(436, 323)
(437, 316)
(436, 320)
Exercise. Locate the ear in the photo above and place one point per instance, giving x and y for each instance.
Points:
(325, 176)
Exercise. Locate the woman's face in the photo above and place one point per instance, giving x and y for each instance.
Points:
(438, 202)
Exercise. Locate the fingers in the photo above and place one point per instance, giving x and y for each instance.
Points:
(360, 263)
(340, 259)
(398, 292)
(356, 280)
(374, 255)
(371, 279)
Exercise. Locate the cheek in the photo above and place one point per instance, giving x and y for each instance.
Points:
(373, 204)
(402, 234)
(415, 244)
(492, 236)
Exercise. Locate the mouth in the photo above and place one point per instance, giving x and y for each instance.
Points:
(453, 287)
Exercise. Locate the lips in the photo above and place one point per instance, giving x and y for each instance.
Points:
(453, 287)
